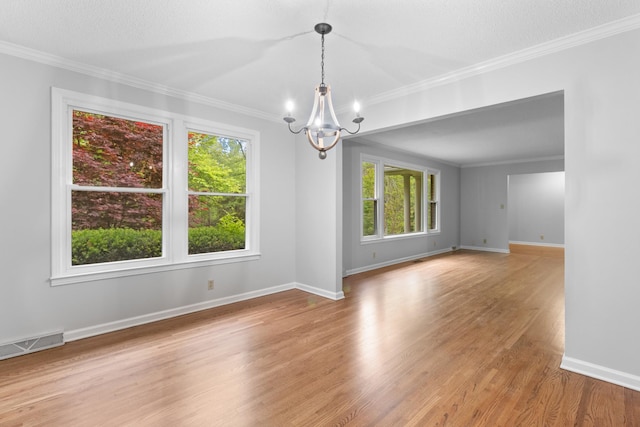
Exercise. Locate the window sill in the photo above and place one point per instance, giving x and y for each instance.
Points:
(397, 237)
(134, 271)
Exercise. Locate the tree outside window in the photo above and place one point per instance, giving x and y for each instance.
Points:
(217, 193)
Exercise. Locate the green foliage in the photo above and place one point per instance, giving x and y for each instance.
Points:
(119, 244)
(116, 226)
(368, 194)
(228, 235)
(114, 244)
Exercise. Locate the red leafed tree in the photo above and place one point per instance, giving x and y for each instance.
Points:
(114, 152)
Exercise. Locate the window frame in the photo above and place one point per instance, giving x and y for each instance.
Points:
(379, 164)
(175, 199)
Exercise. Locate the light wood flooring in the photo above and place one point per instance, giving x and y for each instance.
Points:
(463, 339)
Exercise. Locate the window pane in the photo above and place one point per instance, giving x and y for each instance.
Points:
(109, 227)
(114, 152)
(216, 223)
(369, 217)
(432, 205)
(368, 180)
(402, 200)
(432, 216)
(217, 164)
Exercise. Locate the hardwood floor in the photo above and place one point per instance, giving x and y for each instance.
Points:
(466, 339)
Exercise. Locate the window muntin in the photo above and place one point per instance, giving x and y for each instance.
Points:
(146, 186)
(410, 204)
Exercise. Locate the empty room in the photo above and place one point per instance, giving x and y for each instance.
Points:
(332, 213)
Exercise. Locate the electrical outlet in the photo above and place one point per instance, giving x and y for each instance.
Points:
(484, 241)
(542, 237)
(374, 255)
(210, 285)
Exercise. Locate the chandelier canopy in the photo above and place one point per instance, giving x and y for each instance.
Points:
(323, 129)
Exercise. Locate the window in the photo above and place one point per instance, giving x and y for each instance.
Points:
(117, 188)
(137, 190)
(402, 200)
(369, 200)
(404, 210)
(432, 200)
(217, 193)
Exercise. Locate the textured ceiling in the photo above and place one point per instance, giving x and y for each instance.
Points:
(256, 54)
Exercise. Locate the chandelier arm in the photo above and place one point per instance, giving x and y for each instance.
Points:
(298, 131)
(352, 133)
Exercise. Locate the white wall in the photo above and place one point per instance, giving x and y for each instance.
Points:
(484, 202)
(29, 306)
(318, 219)
(359, 256)
(601, 84)
(536, 208)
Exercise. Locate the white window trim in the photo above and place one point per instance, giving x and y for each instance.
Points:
(437, 175)
(379, 163)
(175, 209)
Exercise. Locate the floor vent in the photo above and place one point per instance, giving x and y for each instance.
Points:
(30, 345)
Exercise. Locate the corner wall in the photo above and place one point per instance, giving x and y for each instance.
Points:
(484, 222)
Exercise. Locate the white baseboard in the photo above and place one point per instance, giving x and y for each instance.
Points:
(320, 292)
(549, 245)
(601, 373)
(104, 328)
(395, 261)
(485, 249)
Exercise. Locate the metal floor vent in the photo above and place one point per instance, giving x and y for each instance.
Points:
(31, 345)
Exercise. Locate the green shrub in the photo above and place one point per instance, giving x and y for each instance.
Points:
(119, 244)
(228, 235)
(114, 244)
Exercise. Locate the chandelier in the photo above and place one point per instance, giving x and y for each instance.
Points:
(323, 130)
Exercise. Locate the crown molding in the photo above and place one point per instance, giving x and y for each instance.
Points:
(509, 162)
(577, 39)
(102, 73)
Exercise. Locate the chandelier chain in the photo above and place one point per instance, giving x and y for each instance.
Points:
(322, 62)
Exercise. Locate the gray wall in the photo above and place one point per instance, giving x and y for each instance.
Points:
(359, 256)
(484, 201)
(29, 306)
(536, 208)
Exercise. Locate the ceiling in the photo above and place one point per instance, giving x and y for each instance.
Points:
(254, 55)
(522, 130)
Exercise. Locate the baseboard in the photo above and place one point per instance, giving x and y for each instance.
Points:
(601, 373)
(395, 261)
(550, 245)
(485, 249)
(104, 328)
(320, 292)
